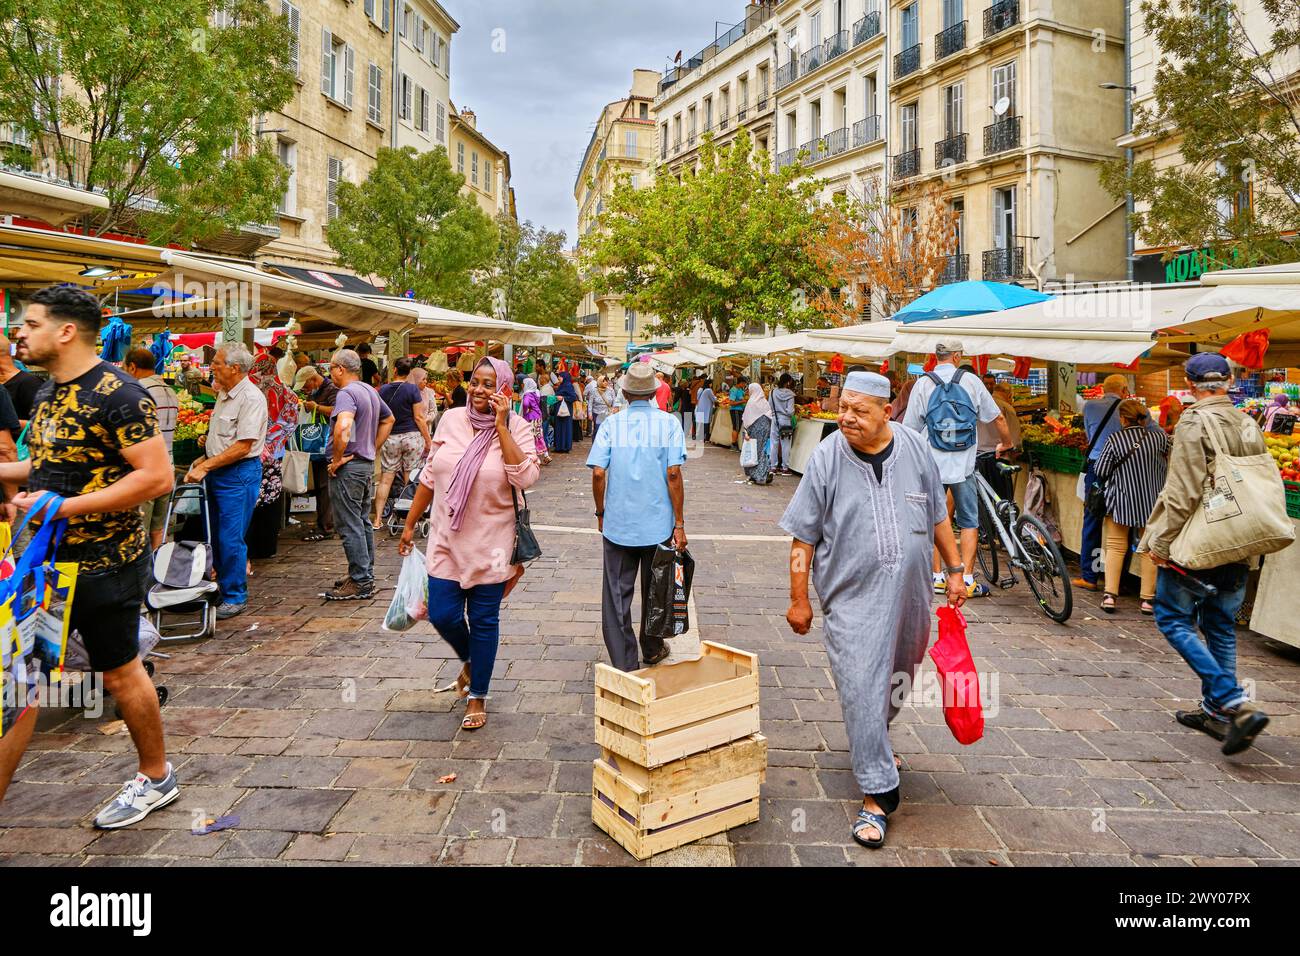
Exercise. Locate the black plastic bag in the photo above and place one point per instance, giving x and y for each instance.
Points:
(671, 572)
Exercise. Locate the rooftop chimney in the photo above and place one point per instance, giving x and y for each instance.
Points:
(468, 118)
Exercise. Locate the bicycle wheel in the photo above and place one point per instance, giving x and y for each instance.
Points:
(986, 554)
(1046, 573)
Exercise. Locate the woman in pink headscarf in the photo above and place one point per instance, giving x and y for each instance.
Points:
(482, 458)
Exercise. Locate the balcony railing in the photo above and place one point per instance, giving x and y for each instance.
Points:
(956, 269)
(1003, 264)
(950, 151)
(866, 28)
(1000, 16)
(907, 61)
(836, 141)
(949, 41)
(591, 318)
(866, 131)
(816, 150)
(755, 19)
(677, 146)
(762, 102)
(907, 164)
(786, 158)
(835, 45)
(785, 75)
(690, 141)
(663, 149)
(1002, 135)
(810, 60)
(723, 121)
(742, 110)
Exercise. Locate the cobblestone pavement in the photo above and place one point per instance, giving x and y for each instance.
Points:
(320, 730)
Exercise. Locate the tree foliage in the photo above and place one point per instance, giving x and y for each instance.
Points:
(530, 279)
(727, 245)
(151, 105)
(410, 224)
(1225, 94)
(896, 246)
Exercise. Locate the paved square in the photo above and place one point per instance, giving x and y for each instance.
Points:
(321, 731)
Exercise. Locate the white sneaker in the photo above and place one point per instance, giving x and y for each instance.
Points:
(139, 798)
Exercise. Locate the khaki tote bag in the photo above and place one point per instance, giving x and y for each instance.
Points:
(1242, 512)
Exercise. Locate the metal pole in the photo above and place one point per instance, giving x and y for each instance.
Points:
(1128, 150)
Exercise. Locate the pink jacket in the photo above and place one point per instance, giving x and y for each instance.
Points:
(480, 552)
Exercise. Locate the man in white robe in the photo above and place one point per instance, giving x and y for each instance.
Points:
(865, 518)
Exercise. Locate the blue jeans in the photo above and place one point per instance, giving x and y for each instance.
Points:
(232, 495)
(474, 640)
(1090, 546)
(1179, 611)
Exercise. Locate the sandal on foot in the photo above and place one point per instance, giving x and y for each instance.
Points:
(1108, 603)
(1200, 720)
(1147, 608)
(474, 721)
(866, 819)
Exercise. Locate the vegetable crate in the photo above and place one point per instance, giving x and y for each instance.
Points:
(669, 711)
(1069, 461)
(1292, 498)
(185, 451)
(650, 810)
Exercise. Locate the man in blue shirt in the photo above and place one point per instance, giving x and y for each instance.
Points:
(1098, 413)
(636, 479)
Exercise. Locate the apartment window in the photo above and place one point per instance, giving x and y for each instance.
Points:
(288, 156)
(406, 98)
(404, 29)
(1004, 85)
(645, 111)
(375, 95)
(814, 30)
(422, 109)
(911, 28)
(1004, 218)
(435, 50)
(663, 139)
(222, 18)
(952, 13)
(708, 113)
(726, 104)
(958, 207)
(692, 122)
(386, 22)
(460, 158)
(446, 56)
(869, 95)
(337, 60)
(442, 123)
(294, 18)
(839, 15)
(792, 44)
(907, 126)
(815, 119)
(420, 27)
(370, 8)
(840, 109)
(636, 181)
(791, 130)
(487, 176)
(473, 168)
(742, 92)
(630, 142)
(629, 321)
(333, 176)
(952, 110)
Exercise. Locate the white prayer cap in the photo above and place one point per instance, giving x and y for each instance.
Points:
(868, 383)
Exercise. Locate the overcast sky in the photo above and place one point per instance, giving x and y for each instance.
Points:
(563, 60)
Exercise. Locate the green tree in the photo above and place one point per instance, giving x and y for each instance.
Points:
(410, 224)
(531, 279)
(728, 245)
(1226, 96)
(151, 105)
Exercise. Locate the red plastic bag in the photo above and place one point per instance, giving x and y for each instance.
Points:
(837, 364)
(931, 363)
(1248, 348)
(1022, 368)
(962, 709)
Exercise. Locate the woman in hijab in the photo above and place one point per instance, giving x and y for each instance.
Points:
(531, 409)
(481, 455)
(756, 422)
(567, 395)
(1281, 406)
(263, 532)
(602, 402)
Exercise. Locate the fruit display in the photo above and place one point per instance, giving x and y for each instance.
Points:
(1285, 450)
(1058, 435)
(192, 419)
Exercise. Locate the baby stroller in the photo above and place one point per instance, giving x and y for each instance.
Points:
(398, 507)
(76, 659)
(180, 571)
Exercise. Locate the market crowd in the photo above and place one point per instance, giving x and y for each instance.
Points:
(884, 516)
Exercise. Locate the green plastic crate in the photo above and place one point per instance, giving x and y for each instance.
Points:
(185, 451)
(1069, 461)
(1292, 498)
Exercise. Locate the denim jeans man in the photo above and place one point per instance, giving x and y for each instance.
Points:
(1184, 603)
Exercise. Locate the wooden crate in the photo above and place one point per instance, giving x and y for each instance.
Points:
(650, 810)
(668, 711)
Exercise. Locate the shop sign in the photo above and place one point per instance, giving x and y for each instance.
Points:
(1186, 266)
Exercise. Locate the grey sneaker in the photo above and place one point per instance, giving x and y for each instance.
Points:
(227, 609)
(139, 798)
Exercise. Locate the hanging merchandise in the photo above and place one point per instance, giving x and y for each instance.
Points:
(981, 364)
(931, 363)
(837, 364)
(465, 362)
(1021, 369)
(116, 337)
(437, 362)
(528, 365)
(162, 350)
(1248, 348)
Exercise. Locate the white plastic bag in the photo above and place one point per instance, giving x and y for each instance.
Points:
(411, 596)
(749, 453)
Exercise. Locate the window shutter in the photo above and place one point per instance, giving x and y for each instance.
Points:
(424, 110)
(347, 75)
(370, 8)
(326, 62)
(294, 21)
(332, 189)
(388, 14)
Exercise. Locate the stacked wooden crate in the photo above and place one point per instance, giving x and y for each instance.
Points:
(681, 756)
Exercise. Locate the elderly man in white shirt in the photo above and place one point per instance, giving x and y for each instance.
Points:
(232, 470)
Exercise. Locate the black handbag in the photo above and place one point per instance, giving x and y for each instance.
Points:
(526, 547)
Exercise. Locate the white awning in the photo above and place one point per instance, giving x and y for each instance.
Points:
(447, 324)
(871, 340)
(1238, 305)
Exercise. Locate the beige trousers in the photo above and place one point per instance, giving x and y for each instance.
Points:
(1116, 539)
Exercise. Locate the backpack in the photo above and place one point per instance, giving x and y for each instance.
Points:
(950, 416)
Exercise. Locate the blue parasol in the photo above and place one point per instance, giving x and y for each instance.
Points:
(967, 298)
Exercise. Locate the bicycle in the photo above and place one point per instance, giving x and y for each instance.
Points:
(1028, 546)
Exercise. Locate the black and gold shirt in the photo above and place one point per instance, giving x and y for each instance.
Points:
(78, 431)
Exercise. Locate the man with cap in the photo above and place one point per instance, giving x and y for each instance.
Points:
(865, 518)
(1181, 604)
(949, 418)
(636, 478)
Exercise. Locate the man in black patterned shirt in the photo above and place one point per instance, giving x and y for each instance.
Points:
(94, 440)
